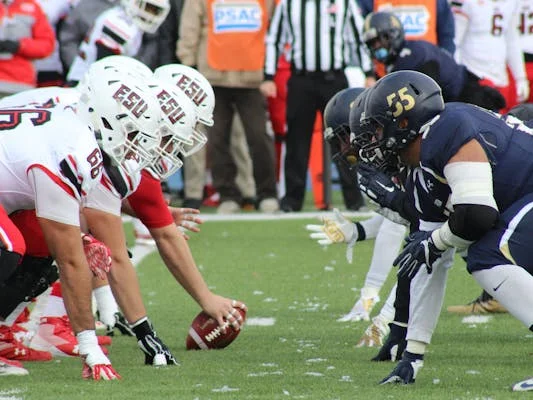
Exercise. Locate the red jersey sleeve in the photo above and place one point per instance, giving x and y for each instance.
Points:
(149, 204)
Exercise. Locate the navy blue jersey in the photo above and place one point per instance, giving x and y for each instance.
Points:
(416, 54)
(507, 142)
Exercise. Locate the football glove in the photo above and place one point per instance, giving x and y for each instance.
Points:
(406, 370)
(96, 365)
(395, 344)
(374, 334)
(379, 187)
(363, 307)
(419, 250)
(98, 256)
(155, 351)
(338, 229)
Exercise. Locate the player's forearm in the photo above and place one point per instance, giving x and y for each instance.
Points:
(125, 287)
(178, 258)
(76, 290)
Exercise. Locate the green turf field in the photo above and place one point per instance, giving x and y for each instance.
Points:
(301, 289)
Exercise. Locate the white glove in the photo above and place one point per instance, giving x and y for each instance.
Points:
(522, 90)
(96, 365)
(363, 307)
(338, 229)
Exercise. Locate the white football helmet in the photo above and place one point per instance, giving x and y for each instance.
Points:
(148, 15)
(128, 64)
(194, 85)
(123, 113)
(178, 118)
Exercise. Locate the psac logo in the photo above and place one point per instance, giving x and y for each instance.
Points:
(170, 106)
(242, 16)
(415, 19)
(192, 89)
(131, 100)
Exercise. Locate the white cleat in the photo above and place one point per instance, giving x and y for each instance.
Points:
(523, 386)
(11, 367)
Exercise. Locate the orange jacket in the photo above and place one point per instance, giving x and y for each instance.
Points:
(236, 34)
(25, 22)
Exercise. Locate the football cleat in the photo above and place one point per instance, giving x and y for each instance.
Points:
(121, 324)
(11, 367)
(484, 304)
(406, 370)
(523, 386)
(14, 349)
(374, 334)
(56, 336)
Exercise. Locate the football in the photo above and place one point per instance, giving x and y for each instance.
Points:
(205, 334)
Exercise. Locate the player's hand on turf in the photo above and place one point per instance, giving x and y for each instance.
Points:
(406, 370)
(379, 187)
(96, 365)
(419, 250)
(335, 229)
(155, 351)
(98, 256)
(221, 308)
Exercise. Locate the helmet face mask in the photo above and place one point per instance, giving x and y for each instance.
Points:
(337, 129)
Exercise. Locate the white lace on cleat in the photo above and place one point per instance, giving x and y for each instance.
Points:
(523, 386)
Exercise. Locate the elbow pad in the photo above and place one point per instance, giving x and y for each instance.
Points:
(472, 221)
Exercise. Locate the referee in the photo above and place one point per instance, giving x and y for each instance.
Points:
(323, 37)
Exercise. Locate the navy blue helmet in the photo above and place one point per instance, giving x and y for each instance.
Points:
(396, 109)
(384, 36)
(337, 124)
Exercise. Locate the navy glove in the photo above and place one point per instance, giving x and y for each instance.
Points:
(9, 46)
(419, 250)
(379, 187)
(406, 370)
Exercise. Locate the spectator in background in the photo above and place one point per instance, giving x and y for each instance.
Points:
(226, 42)
(25, 35)
(526, 39)
(319, 33)
(50, 70)
(488, 41)
(77, 25)
(429, 20)
(118, 31)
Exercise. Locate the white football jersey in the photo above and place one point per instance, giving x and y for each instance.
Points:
(115, 30)
(525, 25)
(53, 140)
(486, 35)
(47, 96)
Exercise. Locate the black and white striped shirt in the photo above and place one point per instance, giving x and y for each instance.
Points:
(323, 36)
